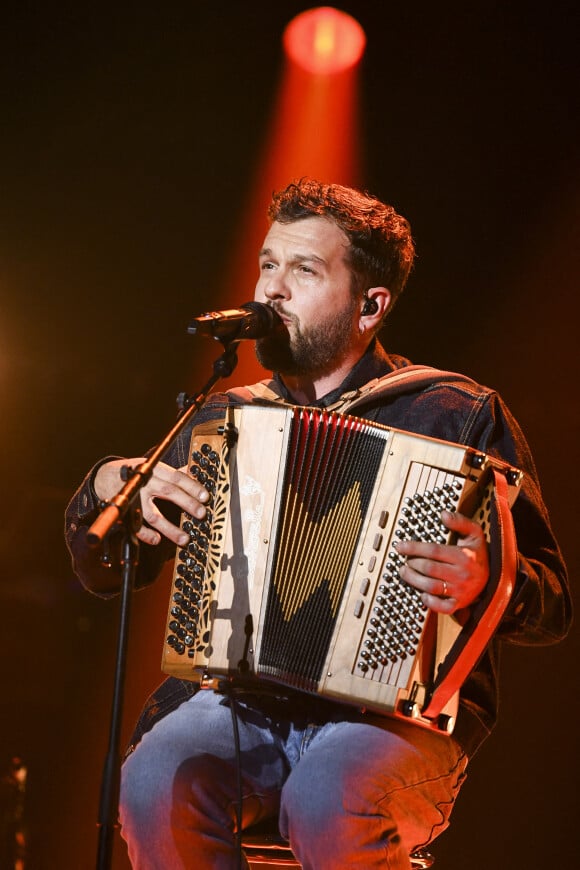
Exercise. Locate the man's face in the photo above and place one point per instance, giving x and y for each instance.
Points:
(304, 276)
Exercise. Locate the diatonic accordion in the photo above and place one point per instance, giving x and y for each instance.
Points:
(292, 579)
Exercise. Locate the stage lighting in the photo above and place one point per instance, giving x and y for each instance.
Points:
(324, 40)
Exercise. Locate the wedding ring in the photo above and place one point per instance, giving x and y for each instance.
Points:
(444, 593)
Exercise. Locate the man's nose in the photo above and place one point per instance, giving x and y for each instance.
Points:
(276, 286)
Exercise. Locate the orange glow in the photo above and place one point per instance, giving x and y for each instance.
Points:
(324, 40)
(314, 131)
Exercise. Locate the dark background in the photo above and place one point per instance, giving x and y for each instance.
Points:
(127, 138)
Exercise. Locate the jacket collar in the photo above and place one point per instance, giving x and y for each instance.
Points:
(374, 363)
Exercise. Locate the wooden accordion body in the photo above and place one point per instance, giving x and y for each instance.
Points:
(292, 579)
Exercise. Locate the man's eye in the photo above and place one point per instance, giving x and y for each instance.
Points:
(265, 266)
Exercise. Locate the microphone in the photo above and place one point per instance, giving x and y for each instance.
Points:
(252, 320)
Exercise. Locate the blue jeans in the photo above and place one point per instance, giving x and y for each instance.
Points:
(348, 792)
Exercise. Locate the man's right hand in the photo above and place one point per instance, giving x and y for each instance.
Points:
(167, 483)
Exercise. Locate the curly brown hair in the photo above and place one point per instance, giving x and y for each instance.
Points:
(381, 250)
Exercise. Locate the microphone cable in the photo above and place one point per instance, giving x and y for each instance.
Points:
(226, 689)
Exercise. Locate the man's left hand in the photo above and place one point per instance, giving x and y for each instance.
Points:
(449, 577)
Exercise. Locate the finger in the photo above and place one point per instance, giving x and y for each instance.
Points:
(435, 593)
(462, 583)
(425, 574)
(160, 527)
(462, 525)
(149, 536)
(178, 489)
(439, 604)
(425, 550)
(174, 484)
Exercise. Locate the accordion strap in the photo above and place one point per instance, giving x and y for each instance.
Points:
(264, 391)
(403, 380)
(486, 614)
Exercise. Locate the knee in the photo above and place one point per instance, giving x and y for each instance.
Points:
(145, 788)
(310, 809)
(151, 793)
(330, 822)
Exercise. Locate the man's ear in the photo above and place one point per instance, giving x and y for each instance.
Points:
(375, 305)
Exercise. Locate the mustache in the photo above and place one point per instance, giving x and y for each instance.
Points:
(281, 311)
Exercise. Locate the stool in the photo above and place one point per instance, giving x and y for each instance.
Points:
(264, 848)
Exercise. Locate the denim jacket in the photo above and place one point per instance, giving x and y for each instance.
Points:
(454, 409)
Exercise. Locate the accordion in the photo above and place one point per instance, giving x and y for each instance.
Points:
(292, 579)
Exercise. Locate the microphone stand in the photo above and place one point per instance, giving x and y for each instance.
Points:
(125, 510)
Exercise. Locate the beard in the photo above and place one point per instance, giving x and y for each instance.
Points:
(312, 351)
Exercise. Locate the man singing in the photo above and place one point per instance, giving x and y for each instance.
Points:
(349, 788)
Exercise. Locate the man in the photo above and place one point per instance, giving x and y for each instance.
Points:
(350, 789)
